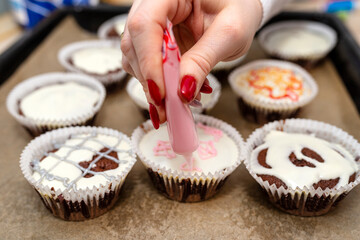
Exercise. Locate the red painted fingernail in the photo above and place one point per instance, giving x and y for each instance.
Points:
(154, 92)
(154, 116)
(205, 88)
(188, 87)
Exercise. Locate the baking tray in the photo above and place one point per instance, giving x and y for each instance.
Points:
(345, 56)
(239, 211)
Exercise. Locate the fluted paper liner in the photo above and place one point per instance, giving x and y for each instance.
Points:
(304, 201)
(41, 125)
(69, 204)
(229, 64)
(268, 106)
(312, 26)
(185, 186)
(105, 27)
(67, 51)
(214, 83)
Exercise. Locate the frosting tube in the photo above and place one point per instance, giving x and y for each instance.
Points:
(181, 125)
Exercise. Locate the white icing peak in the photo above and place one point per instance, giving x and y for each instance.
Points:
(216, 151)
(298, 42)
(59, 101)
(97, 60)
(120, 26)
(338, 162)
(61, 169)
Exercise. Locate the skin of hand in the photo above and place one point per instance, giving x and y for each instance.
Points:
(207, 31)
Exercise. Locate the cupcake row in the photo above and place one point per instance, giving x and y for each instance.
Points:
(267, 90)
(306, 167)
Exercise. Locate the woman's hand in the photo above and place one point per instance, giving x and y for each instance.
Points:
(207, 31)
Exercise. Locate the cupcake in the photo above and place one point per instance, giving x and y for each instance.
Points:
(53, 100)
(270, 90)
(113, 28)
(218, 155)
(224, 66)
(303, 42)
(305, 166)
(100, 59)
(208, 101)
(78, 172)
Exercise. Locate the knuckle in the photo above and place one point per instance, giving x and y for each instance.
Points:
(136, 23)
(125, 45)
(202, 62)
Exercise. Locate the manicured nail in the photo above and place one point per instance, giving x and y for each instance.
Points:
(188, 87)
(205, 88)
(154, 92)
(195, 103)
(154, 116)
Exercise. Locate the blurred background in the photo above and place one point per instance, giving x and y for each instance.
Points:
(18, 16)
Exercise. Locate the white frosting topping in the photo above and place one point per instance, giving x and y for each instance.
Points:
(61, 169)
(216, 151)
(97, 60)
(59, 101)
(298, 42)
(120, 26)
(338, 162)
(138, 93)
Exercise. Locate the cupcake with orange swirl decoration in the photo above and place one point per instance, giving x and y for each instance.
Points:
(271, 90)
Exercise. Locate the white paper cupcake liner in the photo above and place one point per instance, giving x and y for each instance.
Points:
(65, 53)
(267, 106)
(311, 26)
(229, 65)
(70, 204)
(184, 186)
(143, 104)
(304, 201)
(40, 125)
(106, 27)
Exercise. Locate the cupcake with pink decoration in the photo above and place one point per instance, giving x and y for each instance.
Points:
(218, 155)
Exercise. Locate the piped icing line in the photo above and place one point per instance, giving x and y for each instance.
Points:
(284, 82)
(163, 148)
(188, 166)
(47, 174)
(216, 133)
(337, 163)
(206, 150)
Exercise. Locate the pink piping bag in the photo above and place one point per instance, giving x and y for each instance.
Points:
(180, 121)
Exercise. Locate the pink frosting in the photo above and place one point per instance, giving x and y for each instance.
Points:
(217, 133)
(206, 149)
(163, 148)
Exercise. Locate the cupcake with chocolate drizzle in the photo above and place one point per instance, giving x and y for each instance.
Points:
(78, 172)
(218, 155)
(305, 166)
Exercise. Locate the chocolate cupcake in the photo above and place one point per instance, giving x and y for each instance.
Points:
(100, 59)
(112, 28)
(53, 100)
(78, 172)
(270, 90)
(305, 166)
(218, 155)
(208, 101)
(302, 42)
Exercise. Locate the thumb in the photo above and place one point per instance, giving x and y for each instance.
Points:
(222, 40)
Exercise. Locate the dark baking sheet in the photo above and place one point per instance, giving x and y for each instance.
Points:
(345, 56)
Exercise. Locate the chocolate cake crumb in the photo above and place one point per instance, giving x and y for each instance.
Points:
(103, 164)
(262, 158)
